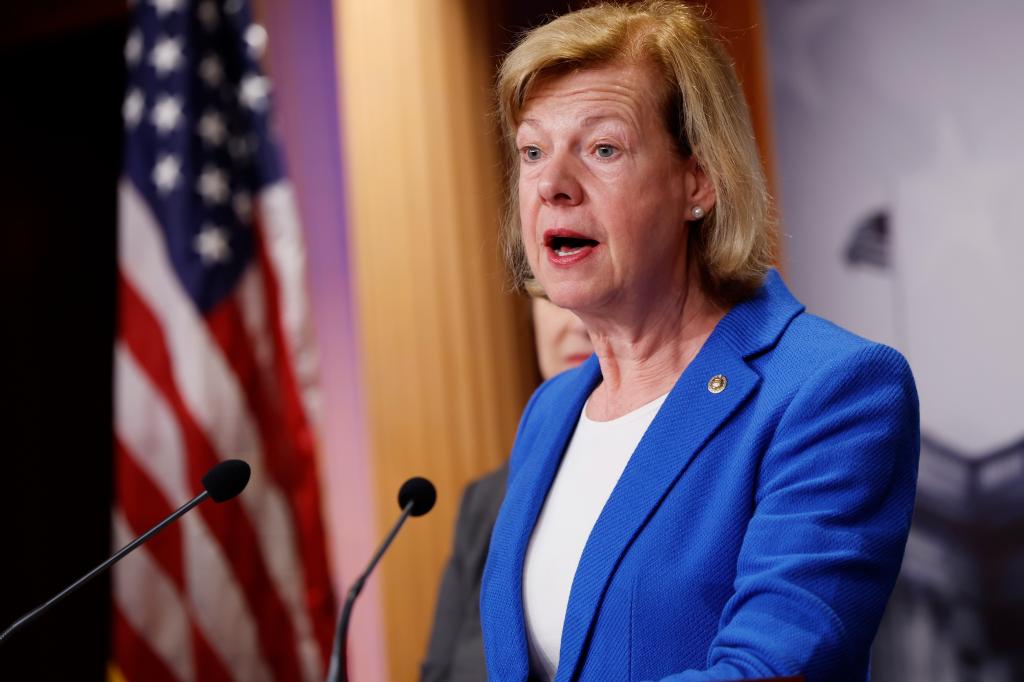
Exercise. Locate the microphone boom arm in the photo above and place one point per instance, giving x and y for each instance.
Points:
(31, 615)
(339, 664)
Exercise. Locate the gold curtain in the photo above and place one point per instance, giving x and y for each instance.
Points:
(447, 355)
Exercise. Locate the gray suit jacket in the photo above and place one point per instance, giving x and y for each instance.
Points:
(456, 651)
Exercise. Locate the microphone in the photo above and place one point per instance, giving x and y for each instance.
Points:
(221, 483)
(416, 497)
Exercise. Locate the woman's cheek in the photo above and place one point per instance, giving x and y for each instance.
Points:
(528, 233)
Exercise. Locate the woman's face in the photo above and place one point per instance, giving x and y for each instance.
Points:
(603, 194)
(560, 337)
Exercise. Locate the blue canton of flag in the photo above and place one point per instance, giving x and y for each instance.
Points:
(197, 145)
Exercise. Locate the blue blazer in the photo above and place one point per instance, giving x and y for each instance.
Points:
(755, 531)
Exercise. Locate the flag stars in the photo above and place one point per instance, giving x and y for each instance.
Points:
(256, 40)
(213, 185)
(166, 114)
(212, 245)
(165, 7)
(132, 111)
(133, 48)
(211, 129)
(166, 173)
(209, 17)
(211, 71)
(254, 91)
(166, 55)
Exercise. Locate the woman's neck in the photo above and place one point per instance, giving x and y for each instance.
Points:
(642, 357)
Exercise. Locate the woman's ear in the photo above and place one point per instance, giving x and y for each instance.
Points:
(700, 191)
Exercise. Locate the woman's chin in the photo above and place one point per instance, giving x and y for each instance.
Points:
(575, 296)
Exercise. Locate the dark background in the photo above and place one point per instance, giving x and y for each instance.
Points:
(62, 77)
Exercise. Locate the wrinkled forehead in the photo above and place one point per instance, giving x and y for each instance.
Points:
(638, 86)
(633, 90)
(652, 75)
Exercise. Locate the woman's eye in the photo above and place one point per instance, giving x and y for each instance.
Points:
(605, 151)
(531, 153)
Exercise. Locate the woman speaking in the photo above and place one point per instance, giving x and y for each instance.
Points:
(724, 490)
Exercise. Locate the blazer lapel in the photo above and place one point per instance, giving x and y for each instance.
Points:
(527, 489)
(690, 416)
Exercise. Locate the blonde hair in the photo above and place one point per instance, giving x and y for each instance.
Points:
(704, 110)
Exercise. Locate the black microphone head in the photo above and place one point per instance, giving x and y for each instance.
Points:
(420, 492)
(227, 479)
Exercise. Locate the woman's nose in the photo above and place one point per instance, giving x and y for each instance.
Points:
(559, 184)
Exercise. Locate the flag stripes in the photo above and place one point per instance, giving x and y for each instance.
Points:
(208, 570)
(140, 661)
(214, 363)
(145, 505)
(161, 620)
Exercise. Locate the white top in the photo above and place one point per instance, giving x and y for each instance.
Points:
(593, 462)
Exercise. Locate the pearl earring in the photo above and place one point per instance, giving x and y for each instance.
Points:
(697, 212)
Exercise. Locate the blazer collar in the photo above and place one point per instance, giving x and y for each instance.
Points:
(757, 323)
(689, 417)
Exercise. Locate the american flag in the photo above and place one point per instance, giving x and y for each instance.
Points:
(213, 360)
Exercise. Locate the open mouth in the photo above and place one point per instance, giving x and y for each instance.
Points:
(564, 243)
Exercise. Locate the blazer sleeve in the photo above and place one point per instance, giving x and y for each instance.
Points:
(831, 517)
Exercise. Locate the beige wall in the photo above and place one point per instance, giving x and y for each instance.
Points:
(447, 356)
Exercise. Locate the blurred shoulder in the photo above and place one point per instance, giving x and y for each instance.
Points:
(486, 489)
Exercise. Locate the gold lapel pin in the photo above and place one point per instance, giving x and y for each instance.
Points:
(717, 383)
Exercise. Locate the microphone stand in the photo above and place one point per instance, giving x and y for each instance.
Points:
(339, 664)
(34, 613)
